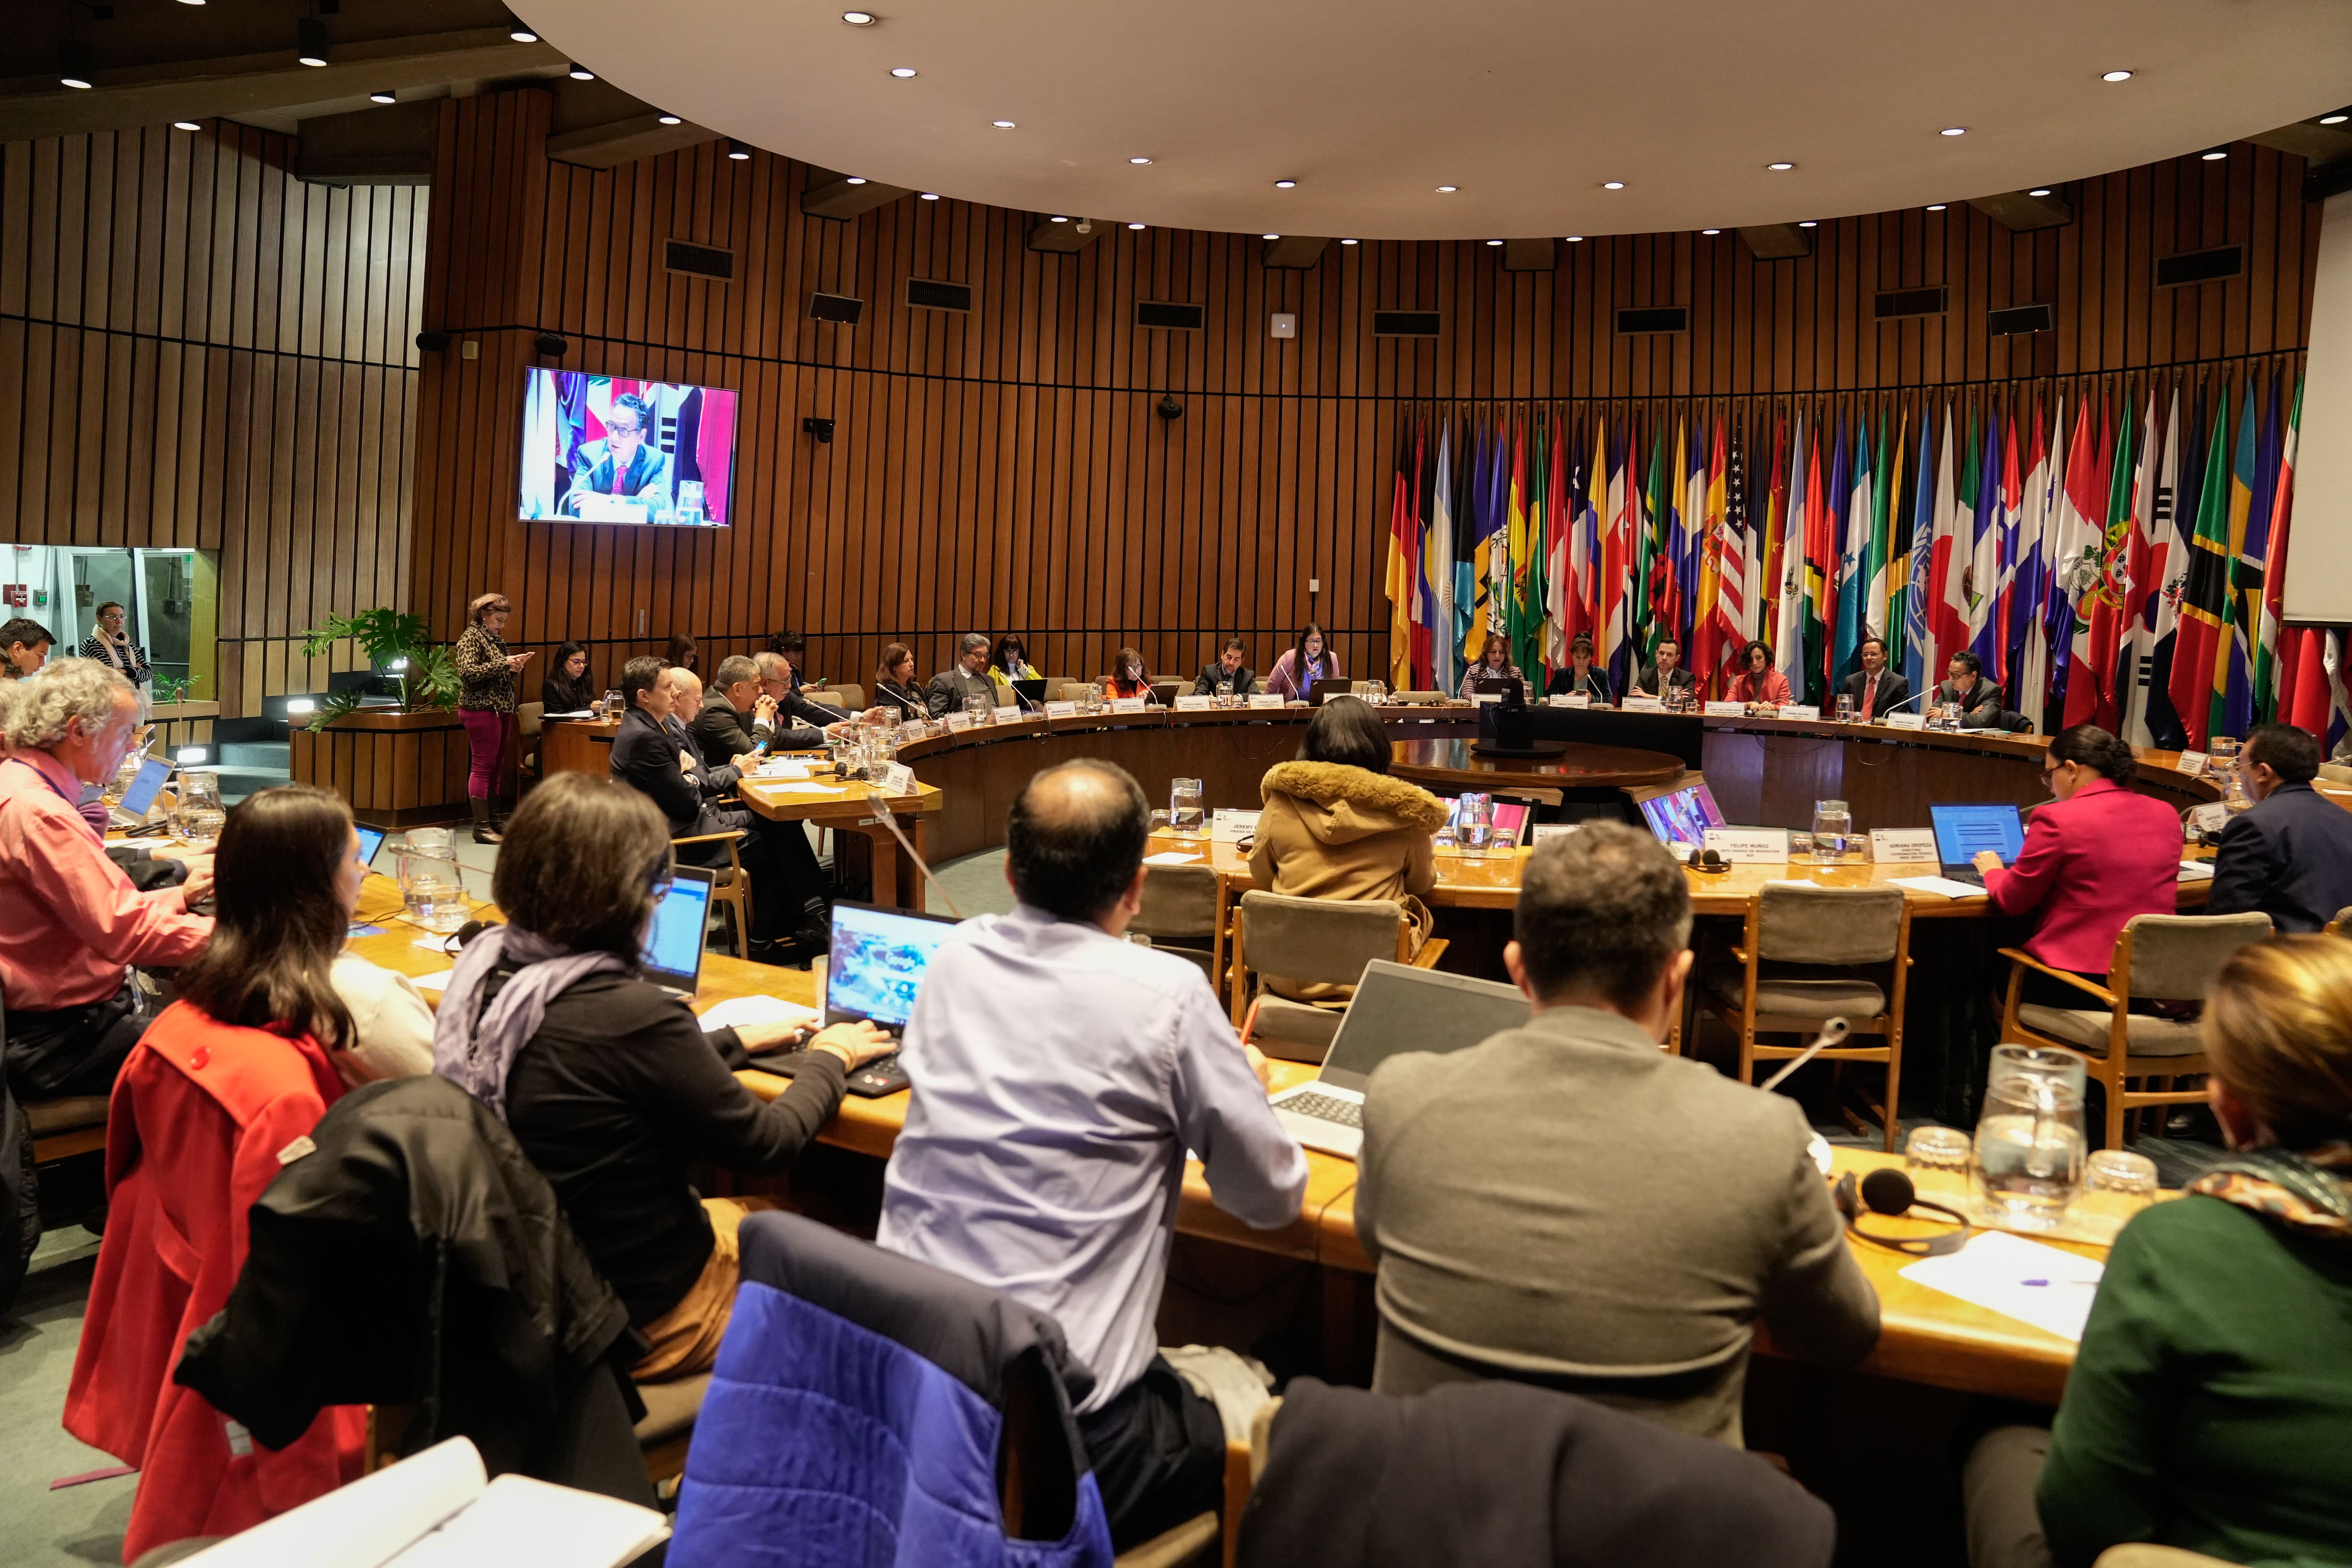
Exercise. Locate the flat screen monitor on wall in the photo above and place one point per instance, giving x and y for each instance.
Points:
(608, 449)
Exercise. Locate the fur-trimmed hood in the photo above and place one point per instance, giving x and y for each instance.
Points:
(1340, 805)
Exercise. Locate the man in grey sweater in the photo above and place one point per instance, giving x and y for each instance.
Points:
(1566, 1204)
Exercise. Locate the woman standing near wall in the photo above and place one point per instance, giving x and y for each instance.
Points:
(485, 702)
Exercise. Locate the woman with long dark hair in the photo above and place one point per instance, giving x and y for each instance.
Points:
(682, 653)
(894, 683)
(485, 702)
(1128, 678)
(1310, 660)
(570, 687)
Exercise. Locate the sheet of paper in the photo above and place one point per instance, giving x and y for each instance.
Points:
(582, 713)
(439, 981)
(784, 770)
(2023, 1279)
(736, 1011)
(1943, 885)
(1172, 857)
(367, 1523)
(519, 1520)
(2196, 871)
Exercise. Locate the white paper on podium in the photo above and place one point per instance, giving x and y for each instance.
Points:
(2040, 1285)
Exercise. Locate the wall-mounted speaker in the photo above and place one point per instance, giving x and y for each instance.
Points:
(699, 261)
(930, 294)
(550, 345)
(838, 308)
(1654, 318)
(1408, 323)
(1894, 303)
(1168, 316)
(433, 342)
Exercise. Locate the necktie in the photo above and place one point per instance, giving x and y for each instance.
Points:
(1870, 698)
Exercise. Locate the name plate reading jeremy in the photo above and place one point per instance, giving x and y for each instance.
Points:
(1750, 846)
(1907, 721)
(898, 778)
(1727, 709)
(1903, 846)
(1061, 710)
(1265, 700)
(2192, 764)
(1801, 710)
(1195, 704)
(1644, 705)
(1011, 715)
(1127, 704)
(1570, 700)
(958, 722)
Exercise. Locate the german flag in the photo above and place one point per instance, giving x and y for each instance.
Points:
(2205, 597)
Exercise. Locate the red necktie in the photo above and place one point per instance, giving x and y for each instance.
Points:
(1870, 698)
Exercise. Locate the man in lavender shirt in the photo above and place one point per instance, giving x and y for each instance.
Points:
(1060, 1074)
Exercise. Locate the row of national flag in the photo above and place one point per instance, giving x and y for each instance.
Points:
(2111, 549)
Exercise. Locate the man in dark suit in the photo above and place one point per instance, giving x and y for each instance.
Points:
(2290, 857)
(1965, 688)
(738, 718)
(663, 765)
(779, 680)
(951, 689)
(1230, 668)
(1664, 673)
(1875, 689)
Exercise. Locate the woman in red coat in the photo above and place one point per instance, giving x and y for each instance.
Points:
(2093, 858)
(215, 1098)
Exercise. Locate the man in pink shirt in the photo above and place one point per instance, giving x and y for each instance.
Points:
(75, 924)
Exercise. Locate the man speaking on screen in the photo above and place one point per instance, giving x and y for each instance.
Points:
(623, 463)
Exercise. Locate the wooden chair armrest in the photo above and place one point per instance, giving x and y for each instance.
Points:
(713, 837)
(2106, 997)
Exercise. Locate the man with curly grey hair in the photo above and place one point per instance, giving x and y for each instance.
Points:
(75, 924)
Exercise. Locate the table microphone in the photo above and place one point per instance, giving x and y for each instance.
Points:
(1832, 1033)
(881, 805)
(1902, 705)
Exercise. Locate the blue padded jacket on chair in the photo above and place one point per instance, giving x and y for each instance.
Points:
(857, 1413)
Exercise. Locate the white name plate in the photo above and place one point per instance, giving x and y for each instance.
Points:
(2192, 764)
(1750, 846)
(1907, 721)
(1008, 715)
(1195, 704)
(1229, 827)
(959, 721)
(1265, 700)
(899, 779)
(1061, 710)
(1727, 709)
(1904, 847)
(1643, 705)
(2210, 817)
(1540, 831)
(1484, 699)
(1127, 704)
(1571, 700)
(1801, 710)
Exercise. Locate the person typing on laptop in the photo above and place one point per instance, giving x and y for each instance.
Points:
(1566, 1204)
(1060, 1074)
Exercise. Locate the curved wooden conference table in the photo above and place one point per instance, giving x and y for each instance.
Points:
(1927, 1337)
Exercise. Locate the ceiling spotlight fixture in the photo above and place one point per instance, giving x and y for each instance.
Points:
(854, 180)
(1809, 223)
(1348, 242)
(1953, 131)
(902, 72)
(930, 195)
(669, 119)
(187, 124)
(1135, 226)
(1447, 190)
(190, 2)
(1575, 239)
(578, 72)
(1139, 162)
(310, 41)
(2215, 155)
(1269, 237)
(1710, 231)
(2039, 190)
(1001, 124)
(1936, 206)
(383, 97)
(1285, 185)
(2338, 118)
(738, 151)
(520, 34)
(1613, 184)
(1779, 168)
(860, 18)
(1058, 219)
(2115, 76)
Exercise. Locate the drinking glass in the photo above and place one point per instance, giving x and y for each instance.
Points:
(197, 819)
(1376, 692)
(1477, 830)
(613, 708)
(1159, 823)
(1846, 708)
(977, 706)
(1800, 848)
(1833, 832)
(1937, 1159)
(431, 890)
(1225, 694)
(2116, 1185)
(1184, 813)
(2029, 1137)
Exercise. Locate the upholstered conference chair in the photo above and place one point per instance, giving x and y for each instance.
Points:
(1315, 941)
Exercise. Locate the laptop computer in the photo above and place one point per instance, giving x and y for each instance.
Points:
(1679, 812)
(1396, 1008)
(874, 975)
(139, 799)
(1962, 831)
(1032, 692)
(673, 954)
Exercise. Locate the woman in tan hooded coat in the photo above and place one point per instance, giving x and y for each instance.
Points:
(1336, 825)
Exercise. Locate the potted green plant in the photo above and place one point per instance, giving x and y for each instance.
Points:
(392, 641)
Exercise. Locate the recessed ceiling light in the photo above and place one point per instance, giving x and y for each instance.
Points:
(1493, 242)
(1057, 218)
(521, 34)
(1269, 237)
(1710, 231)
(930, 195)
(1936, 206)
(738, 151)
(1808, 224)
(902, 72)
(1779, 168)
(1575, 239)
(578, 72)
(1139, 162)
(2338, 118)
(70, 79)
(187, 124)
(1348, 242)
(2115, 76)
(2215, 155)
(1001, 124)
(1613, 184)
(1447, 190)
(669, 119)
(190, 2)
(1135, 226)
(383, 97)
(1285, 185)
(1953, 131)
(2039, 190)
(854, 179)
(859, 18)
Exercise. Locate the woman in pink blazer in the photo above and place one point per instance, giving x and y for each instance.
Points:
(2093, 857)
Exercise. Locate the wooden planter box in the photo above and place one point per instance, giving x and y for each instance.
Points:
(397, 770)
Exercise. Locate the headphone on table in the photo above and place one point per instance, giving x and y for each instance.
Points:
(1888, 1191)
(1709, 862)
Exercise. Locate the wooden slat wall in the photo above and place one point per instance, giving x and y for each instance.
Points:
(198, 349)
(1005, 470)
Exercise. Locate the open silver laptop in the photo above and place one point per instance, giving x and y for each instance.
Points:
(1396, 1008)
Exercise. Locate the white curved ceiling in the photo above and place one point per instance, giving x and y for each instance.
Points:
(1528, 106)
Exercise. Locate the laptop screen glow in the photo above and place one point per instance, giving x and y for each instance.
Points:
(371, 841)
(1961, 831)
(139, 798)
(878, 963)
(673, 954)
(1680, 817)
